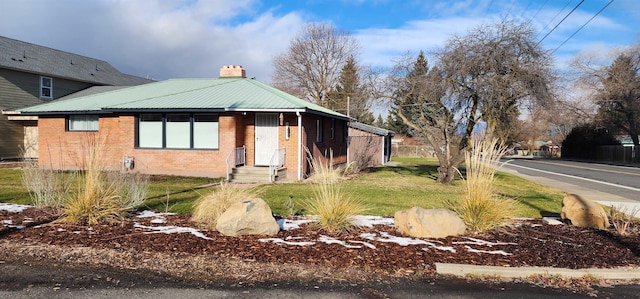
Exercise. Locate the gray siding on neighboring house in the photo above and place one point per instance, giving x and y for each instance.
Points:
(19, 89)
(12, 138)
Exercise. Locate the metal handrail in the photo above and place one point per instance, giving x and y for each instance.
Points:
(239, 155)
(277, 161)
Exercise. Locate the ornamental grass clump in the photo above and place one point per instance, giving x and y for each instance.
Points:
(208, 208)
(333, 207)
(101, 194)
(47, 187)
(480, 207)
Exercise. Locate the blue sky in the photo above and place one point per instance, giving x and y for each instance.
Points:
(165, 39)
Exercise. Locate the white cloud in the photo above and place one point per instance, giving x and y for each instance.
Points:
(160, 39)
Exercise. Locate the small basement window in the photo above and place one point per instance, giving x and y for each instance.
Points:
(46, 88)
(83, 123)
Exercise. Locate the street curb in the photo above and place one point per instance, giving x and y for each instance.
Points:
(462, 270)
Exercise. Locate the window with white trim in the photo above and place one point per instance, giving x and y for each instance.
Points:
(83, 123)
(46, 88)
(178, 131)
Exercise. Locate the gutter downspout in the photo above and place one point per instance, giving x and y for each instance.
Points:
(299, 145)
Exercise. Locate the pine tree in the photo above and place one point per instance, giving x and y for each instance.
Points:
(349, 96)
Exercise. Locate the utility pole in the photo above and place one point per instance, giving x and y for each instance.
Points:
(348, 99)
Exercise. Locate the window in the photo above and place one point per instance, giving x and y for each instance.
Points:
(83, 123)
(205, 131)
(178, 131)
(150, 130)
(319, 130)
(46, 88)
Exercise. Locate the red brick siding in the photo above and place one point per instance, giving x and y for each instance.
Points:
(62, 150)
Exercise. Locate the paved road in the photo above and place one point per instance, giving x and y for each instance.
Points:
(599, 182)
(20, 280)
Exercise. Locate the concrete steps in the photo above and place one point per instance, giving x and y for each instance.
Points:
(255, 174)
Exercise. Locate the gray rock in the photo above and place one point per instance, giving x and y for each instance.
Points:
(433, 223)
(248, 217)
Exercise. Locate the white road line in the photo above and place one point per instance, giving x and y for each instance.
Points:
(574, 177)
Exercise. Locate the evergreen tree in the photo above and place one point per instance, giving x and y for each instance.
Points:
(379, 122)
(349, 96)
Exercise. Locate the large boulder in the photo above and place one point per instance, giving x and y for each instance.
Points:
(248, 217)
(583, 212)
(433, 223)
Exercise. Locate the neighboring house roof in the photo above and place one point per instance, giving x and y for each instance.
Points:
(370, 129)
(31, 58)
(90, 91)
(218, 95)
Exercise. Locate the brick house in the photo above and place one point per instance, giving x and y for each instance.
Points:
(195, 127)
(30, 75)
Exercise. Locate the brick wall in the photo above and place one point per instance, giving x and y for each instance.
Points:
(64, 150)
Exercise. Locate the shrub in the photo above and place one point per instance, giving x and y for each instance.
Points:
(480, 208)
(208, 208)
(102, 194)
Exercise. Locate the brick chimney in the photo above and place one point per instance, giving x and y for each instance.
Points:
(233, 71)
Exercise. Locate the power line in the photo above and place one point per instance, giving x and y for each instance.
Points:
(537, 12)
(554, 17)
(585, 24)
(565, 17)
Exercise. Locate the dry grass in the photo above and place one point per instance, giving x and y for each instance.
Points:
(208, 208)
(332, 205)
(102, 194)
(47, 187)
(623, 219)
(480, 208)
(324, 172)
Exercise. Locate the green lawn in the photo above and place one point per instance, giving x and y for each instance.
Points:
(385, 189)
(413, 183)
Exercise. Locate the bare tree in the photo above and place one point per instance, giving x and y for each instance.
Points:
(480, 79)
(311, 66)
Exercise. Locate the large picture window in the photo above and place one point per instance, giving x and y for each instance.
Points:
(178, 131)
(83, 123)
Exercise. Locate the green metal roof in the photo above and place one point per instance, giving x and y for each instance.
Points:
(223, 94)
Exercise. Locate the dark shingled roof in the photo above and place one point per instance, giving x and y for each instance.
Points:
(26, 57)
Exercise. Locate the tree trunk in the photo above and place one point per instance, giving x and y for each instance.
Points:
(446, 174)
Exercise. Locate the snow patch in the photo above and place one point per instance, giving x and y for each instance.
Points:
(281, 241)
(289, 224)
(330, 240)
(501, 252)
(370, 221)
(13, 208)
(147, 214)
(171, 230)
(475, 241)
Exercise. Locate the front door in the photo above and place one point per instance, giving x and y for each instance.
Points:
(266, 138)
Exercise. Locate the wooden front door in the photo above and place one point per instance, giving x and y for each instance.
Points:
(266, 138)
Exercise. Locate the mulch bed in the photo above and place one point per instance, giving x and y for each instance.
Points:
(524, 243)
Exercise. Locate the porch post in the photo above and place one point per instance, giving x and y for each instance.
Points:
(299, 145)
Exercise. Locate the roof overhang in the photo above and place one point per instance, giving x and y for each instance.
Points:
(16, 115)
